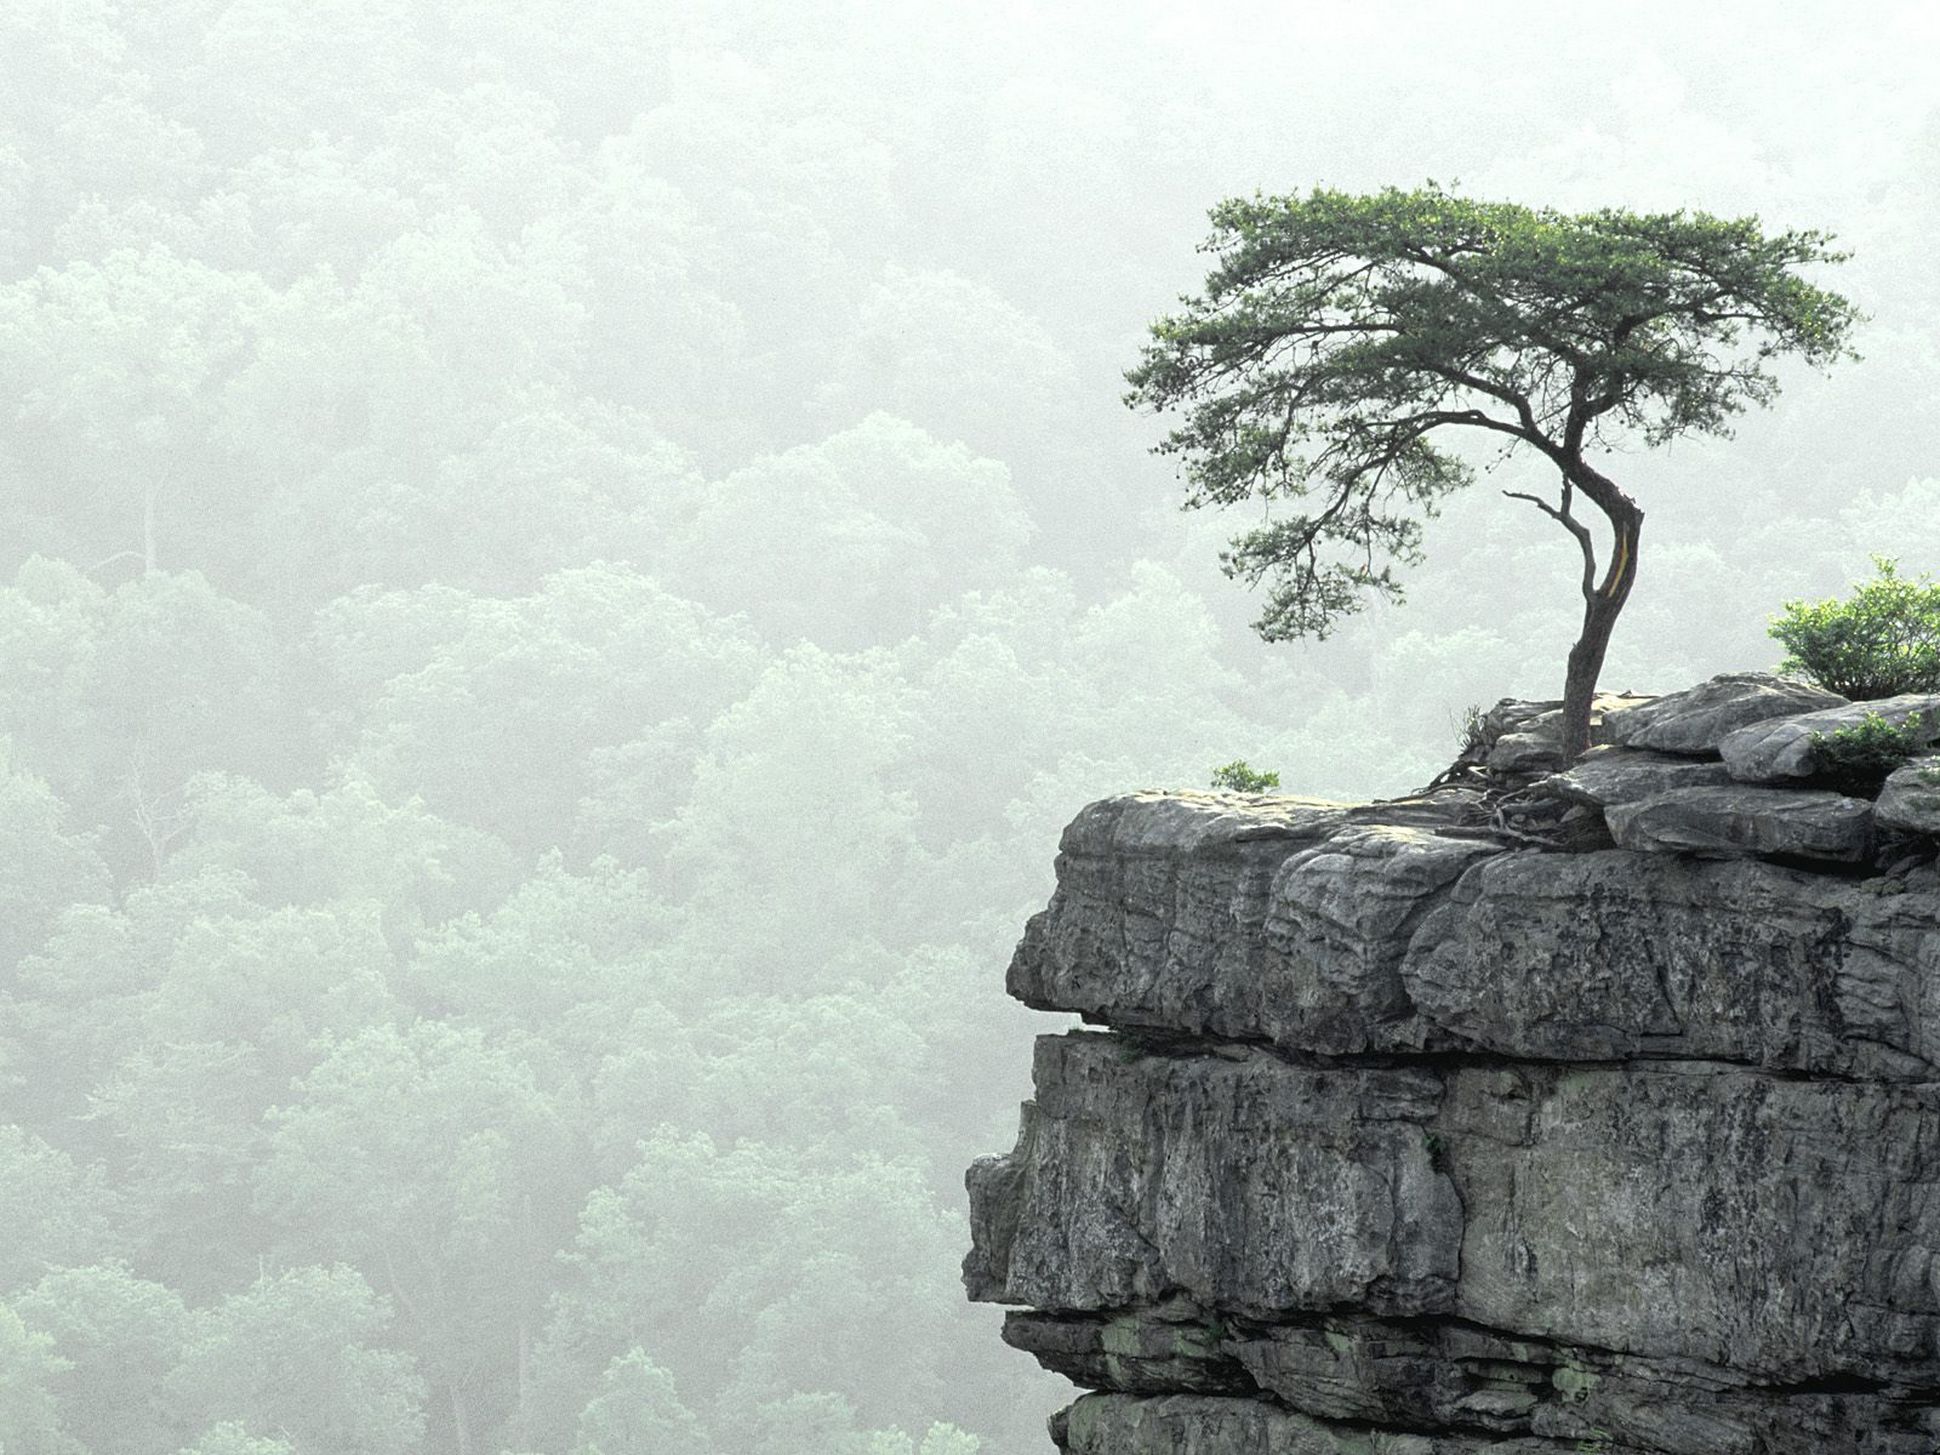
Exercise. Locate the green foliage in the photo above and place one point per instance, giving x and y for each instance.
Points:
(43, 866)
(1339, 336)
(1237, 777)
(872, 528)
(1857, 759)
(30, 1422)
(305, 1353)
(55, 1213)
(117, 1337)
(939, 1439)
(595, 657)
(230, 1438)
(637, 1408)
(437, 1157)
(1881, 641)
(693, 1225)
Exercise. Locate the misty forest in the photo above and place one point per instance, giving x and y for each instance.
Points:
(564, 567)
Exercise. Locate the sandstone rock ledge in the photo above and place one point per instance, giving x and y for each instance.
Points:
(1397, 1139)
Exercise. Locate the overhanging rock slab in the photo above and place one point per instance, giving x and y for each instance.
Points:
(1735, 820)
(1696, 720)
(1781, 750)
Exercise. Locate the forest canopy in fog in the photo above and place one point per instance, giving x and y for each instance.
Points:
(561, 568)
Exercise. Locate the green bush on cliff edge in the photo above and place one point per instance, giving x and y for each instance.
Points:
(1857, 759)
(1881, 642)
(1237, 777)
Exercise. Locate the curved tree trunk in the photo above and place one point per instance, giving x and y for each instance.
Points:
(1602, 604)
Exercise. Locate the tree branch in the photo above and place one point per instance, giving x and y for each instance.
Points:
(1571, 524)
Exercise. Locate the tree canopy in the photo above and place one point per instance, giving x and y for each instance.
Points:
(1340, 338)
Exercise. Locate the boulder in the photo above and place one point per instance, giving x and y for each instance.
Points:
(1780, 750)
(1696, 720)
(1258, 920)
(1527, 736)
(1605, 776)
(1910, 801)
(1736, 820)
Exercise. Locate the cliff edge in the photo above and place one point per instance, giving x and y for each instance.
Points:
(1443, 1126)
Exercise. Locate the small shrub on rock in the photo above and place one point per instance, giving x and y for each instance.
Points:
(1882, 641)
(1856, 760)
(1239, 778)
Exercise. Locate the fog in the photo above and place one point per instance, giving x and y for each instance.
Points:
(567, 564)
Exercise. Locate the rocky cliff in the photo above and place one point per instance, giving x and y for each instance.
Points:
(1539, 1113)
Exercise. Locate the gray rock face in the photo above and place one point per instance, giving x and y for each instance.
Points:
(1606, 776)
(1739, 820)
(1698, 719)
(1406, 1140)
(1910, 801)
(1529, 735)
(1354, 1377)
(1208, 916)
(1617, 957)
(1794, 1234)
(1780, 750)
(1113, 1424)
(1174, 916)
(1258, 1185)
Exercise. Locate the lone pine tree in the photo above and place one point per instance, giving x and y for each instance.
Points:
(1341, 339)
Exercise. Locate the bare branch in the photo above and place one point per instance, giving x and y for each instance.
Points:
(1571, 524)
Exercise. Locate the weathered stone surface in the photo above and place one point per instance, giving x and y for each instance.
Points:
(1423, 1375)
(1783, 1229)
(1910, 801)
(1170, 1349)
(1212, 916)
(1410, 1140)
(1388, 1387)
(1117, 1424)
(1697, 720)
(1529, 735)
(1605, 776)
(1244, 1183)
(1780, 750)
(1373, 939)
(1738, 820)
(1787, 1230)
(1619, 956)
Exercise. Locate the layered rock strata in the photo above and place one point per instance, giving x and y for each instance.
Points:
(1399, 1137)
